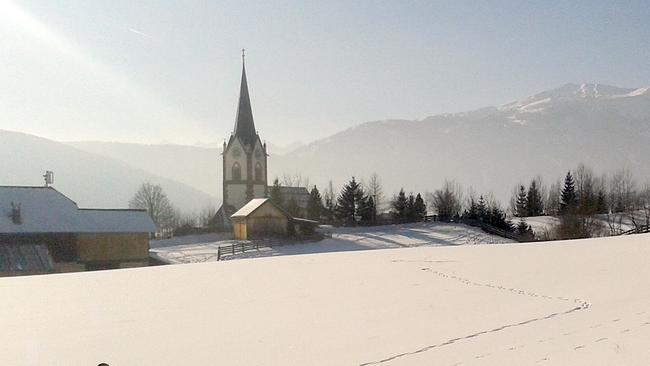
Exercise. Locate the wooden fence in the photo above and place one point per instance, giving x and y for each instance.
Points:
(637, 230)
(240, 247)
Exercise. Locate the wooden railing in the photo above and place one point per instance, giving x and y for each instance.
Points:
(637, 230)
(234, 248)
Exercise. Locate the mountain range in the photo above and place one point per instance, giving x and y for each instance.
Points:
(490, 149)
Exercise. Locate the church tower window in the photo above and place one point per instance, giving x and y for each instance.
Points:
(258, 172)
(236, 171)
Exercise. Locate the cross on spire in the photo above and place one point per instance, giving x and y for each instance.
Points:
(243, 54)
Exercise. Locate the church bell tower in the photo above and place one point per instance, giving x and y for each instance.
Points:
(244, 157)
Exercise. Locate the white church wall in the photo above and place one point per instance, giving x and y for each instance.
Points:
(236, 195)
(259, 191)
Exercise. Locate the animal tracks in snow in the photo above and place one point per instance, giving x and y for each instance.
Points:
(578, 304)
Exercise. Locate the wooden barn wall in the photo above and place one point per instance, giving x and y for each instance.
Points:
(112, 247)
(267, 220)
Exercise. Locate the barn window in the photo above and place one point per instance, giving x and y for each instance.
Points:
(236, 172)
(258, 172)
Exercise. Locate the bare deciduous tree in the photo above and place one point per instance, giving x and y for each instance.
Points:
(553, 198)
(375, 189)
(295, 180)
(448, 200)
(151, 197)
(206, 215)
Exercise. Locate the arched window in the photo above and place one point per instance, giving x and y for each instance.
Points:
(258, 172)
(236, 171)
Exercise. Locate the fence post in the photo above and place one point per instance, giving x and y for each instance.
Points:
(219, 253)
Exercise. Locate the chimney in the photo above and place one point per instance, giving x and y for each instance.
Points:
(16, 216)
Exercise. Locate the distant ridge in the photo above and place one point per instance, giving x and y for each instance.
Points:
(91, 180)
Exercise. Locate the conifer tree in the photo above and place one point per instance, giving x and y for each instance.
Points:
(497, 218)
(367, 210)
(534, 204)
(399, 205)
(601, 202)
(348, 202)
(523, 228)
(275, 193)
(521, 208)
(419, 208)
(292, 208)
(315, 205)
(481, 208)
(410, 208)
(472, 211)
(568, 195)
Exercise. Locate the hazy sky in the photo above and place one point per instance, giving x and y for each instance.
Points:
(154, 71)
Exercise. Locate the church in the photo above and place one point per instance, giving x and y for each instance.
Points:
(245, 168)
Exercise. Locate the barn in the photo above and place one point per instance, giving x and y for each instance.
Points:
(43, 231)
(260, 217)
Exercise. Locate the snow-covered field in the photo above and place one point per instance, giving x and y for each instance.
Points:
(605, 223)
(583, 302)
(203, 248)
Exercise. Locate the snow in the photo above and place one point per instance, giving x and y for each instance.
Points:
(582, 302)
(251, 206)
(618, 221)
(204, 248)
(46, 210)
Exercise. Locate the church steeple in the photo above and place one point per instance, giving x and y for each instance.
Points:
(244, 124)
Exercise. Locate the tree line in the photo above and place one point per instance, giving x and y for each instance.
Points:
(577, 200)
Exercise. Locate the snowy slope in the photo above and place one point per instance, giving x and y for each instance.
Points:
(203, 248)
(562, 303)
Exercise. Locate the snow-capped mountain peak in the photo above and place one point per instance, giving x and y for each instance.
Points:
(574, 93)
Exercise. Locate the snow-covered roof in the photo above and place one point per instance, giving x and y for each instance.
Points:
(46, 210)
(253, 205)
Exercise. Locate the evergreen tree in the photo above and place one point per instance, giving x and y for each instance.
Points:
(472, 211)
(367, 210)
(481, 209)
(419, 208)
(601, 202)
(399, 205)
(275, 193)
(568, 195)
(315, 205)
(497, 218)
(521, 208)
(348, 202)
(523, 228)
(534, 205)
(410, 208)
(292, 208)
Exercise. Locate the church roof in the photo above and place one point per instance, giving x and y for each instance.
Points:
(244, 124)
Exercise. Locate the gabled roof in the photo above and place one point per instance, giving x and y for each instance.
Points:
(254, 204)
(294, 191)
(46, 210)
(244, 124)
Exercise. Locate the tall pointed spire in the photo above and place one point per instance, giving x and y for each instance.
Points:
(244, 124)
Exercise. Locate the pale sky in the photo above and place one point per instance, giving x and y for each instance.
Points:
(169, 71)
